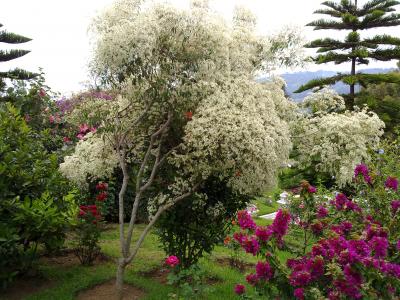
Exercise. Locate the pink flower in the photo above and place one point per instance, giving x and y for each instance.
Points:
(301, 206)
(93, 129)
(322, 212)
(395, 206)
(245, 221)
(392, 183)
(101, 186)
(312, 189)
(281, 224)
(252, 279)
(240, 289)
(42, 93)
(299, 293)
(172, 261)
(66, 139)
(27, 118)
(52, 119)
(264, 271)
(83, 128)
(263, 233)
(102, 196)
(80, 136)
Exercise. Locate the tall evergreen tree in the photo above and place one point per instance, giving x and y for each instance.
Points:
(347, 15)
(7, 55)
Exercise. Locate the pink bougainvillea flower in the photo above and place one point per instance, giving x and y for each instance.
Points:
(240, 289)
(93, 129)
(322, 212)
(312, 189)
(252, 279)
(52, 119)
(66, 139)
(172, 261)
(80, 136)
(245, 221)
(299, 293)
(392, 183)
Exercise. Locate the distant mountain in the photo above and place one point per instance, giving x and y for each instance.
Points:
(295, 80)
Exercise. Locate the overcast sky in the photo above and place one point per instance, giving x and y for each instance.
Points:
(61, 46)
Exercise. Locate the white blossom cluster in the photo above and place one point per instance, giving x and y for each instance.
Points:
(336, 142)
(93, 158)
(324, 101)
(237, 134)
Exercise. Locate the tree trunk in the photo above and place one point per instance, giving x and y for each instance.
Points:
(120, 278)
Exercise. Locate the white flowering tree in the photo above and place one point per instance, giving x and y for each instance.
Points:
(331, 140)
(187, 100)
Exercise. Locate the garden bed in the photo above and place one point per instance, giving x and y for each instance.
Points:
(67, 258)
(107, 291)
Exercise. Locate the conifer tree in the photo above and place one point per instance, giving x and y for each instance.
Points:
(347, 15)
(7, 55)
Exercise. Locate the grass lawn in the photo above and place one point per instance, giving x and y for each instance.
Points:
(67, 282)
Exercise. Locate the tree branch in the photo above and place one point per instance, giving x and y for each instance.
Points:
(160, 210)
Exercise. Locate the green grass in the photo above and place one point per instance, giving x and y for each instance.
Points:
(68, 282)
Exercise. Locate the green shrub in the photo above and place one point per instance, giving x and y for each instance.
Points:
(197, 224)
(35, 207)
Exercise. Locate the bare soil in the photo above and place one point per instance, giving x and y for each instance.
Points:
(158, 274)
(67, 258)
(25, 286)
(239, 265)
(161, 275)
(106, 291)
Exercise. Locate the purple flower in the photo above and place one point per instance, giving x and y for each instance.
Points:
(252, 279)
(392, 183)
(264, 271)
(299, 293)
(395, 206)
(300, 278)
(281, 223)
(251, 245)
(263, 233)
(245, 221)
(398, 245)
(379, 245)
(311, 189)
(340, 201)
(361, 169)
(346, 226)
(322, 212)
(240, 289)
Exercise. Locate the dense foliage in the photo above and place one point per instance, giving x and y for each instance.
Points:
(384, 100)
(34, 206)
(195, 226)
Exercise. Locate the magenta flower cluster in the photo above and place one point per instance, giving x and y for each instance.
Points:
(362, 170)
(392, 183)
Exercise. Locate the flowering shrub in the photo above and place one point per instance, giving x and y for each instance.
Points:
(333, 143)
(352, 255)
(87, 229)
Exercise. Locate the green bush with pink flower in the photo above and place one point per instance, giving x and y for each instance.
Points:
(349, 244)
